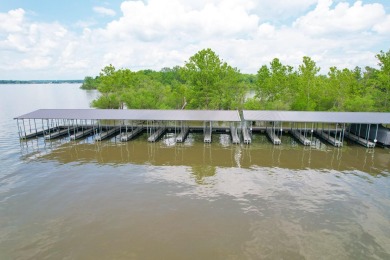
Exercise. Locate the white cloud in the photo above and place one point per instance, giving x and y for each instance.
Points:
(157, 19)
(104, 11)
(383, 27)
(11, 21)
(156, 33)
(341, 19)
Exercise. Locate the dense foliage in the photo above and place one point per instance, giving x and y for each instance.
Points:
(207, 82)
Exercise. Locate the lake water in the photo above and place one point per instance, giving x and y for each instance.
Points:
(140, 200)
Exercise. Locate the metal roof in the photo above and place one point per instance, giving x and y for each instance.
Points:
(318, 117)
(134, 114)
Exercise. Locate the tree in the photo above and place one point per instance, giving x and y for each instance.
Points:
(209, 77)
(90, 83)
(307, 86)
(202, 72)
(112, 85)
(383, 87)
(274, 85)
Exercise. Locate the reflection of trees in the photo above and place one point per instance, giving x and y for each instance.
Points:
(200, 172)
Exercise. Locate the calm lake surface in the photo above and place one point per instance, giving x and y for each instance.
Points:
(139, 200)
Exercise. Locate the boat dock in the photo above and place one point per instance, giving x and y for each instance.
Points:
(106, 134)
(273, 137)
(359, 140)
(104, 123)
(156, 134)
(329, 138)
(180, 138)
(234, 134)
(207, 135)
(246, 136)
(300, 137)
(59, 132)
(124, 137)
(80, 134)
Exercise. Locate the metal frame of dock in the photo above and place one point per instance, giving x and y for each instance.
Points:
(108, 122)
(329, 126)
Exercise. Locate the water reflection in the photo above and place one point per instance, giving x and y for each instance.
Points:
(205, 157)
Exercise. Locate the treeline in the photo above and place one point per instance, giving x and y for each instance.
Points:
(207, 82)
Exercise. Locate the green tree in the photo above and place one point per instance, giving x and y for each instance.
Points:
(202, 72)
(90, 83)
(307, 87)
(113, 84)
(383, 78)
(274, 85)
(208, 78)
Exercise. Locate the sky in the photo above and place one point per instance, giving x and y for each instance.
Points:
(53, 39)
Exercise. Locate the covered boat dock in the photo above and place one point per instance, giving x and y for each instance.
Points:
(332, 127)
(127, 123)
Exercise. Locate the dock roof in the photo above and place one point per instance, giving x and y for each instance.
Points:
(318, 117)
(135, 114)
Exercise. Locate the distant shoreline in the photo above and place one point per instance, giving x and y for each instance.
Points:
(40, 81)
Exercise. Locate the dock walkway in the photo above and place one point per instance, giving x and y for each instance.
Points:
(207, 135)
(156, 134)
(106, 134)
(359, 140)
(180, 138)
(234, 134)
(81, 133)
(128, 136)
(59, 132)
(274, 139)
(246, 135)
(32, 135)
(301, 138)
(329, 138)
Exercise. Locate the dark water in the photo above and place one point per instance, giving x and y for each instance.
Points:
(136, 200)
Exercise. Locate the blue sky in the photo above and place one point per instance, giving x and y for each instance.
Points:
(51, 39)
(68, 13)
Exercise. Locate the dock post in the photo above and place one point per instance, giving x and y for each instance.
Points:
(24, 128)
(48, 126)
(17, 122)
(120, 128)
(368, 134)
(281, 130)
(68, 130)
(114, 128)
(36, 131)
(376, 133)
(360, 127)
